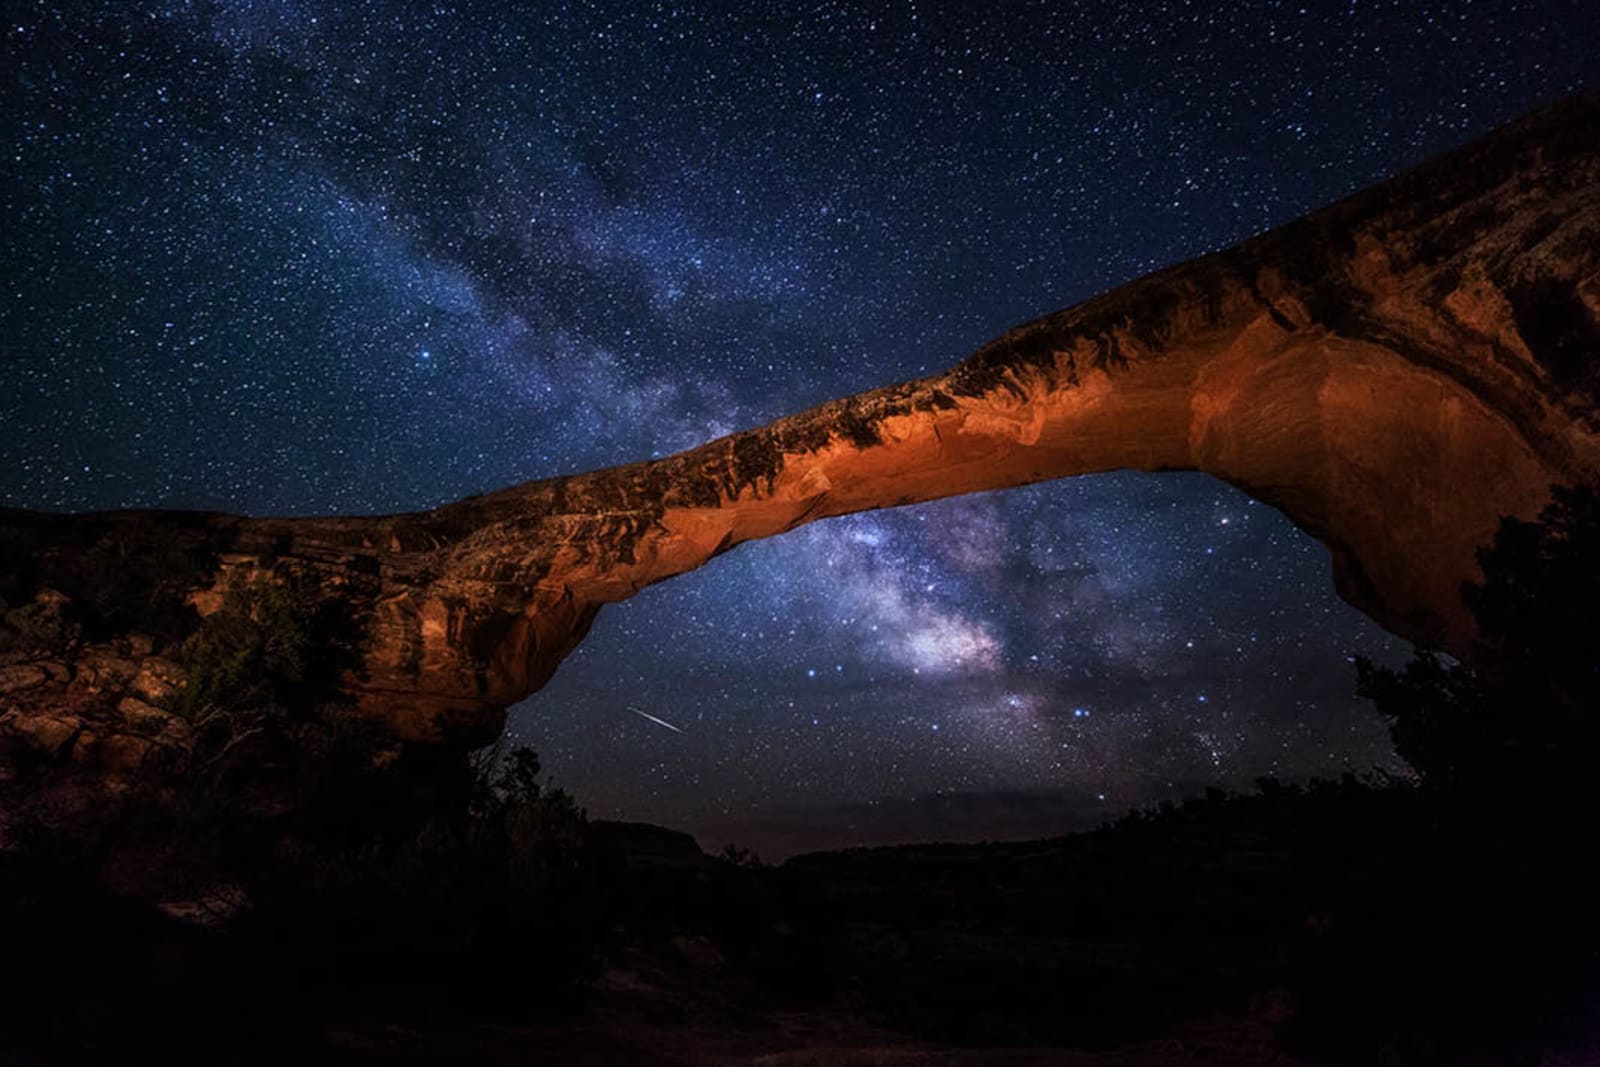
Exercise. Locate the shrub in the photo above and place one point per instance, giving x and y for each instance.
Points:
(1521, 717)
(140, 579)
(738, 856)
(251, 651)
(38, 627)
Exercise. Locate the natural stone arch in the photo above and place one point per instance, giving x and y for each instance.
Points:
(1395, 372)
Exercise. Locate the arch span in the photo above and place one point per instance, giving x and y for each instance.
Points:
(1395, 372)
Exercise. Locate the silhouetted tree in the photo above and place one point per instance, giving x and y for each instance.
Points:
(1523, 714)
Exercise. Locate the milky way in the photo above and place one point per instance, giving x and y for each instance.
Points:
(298, 257)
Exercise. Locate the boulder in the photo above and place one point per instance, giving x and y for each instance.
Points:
(45, 732)
(56, 671)
(101, 670)
(136, 645)
(143, 718)
(123, 752)
(159, 681)
(22, 676)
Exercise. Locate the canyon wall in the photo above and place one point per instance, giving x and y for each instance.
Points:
(1395, 372)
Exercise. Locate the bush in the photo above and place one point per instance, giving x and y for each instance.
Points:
(738, 856)
(1487, 924)
(140, 579)
(486, 889)
(1522, 717)
(252, 651)
(39, 627)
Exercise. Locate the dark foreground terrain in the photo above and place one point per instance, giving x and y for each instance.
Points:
(205, 858)
(1346, 922)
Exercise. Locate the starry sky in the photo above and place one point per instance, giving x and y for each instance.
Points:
(299, 257)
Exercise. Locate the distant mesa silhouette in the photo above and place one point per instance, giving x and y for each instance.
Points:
(1395, 372)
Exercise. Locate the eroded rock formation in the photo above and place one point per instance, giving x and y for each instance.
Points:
(1395, 372)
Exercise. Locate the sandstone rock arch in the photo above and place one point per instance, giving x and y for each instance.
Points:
(1395, 372)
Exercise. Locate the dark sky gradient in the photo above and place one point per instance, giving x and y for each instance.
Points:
(295, 257)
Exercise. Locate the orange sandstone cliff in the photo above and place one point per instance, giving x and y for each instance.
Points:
(1395, 372)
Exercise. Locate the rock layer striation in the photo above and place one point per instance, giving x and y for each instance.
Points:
(1395, 372)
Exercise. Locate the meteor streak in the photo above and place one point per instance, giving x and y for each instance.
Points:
(652, 718)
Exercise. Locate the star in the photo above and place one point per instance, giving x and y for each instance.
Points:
(323, 258)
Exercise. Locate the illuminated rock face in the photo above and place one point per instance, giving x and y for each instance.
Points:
(1395, 372)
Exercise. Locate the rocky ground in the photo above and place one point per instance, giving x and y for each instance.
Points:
(1344, 924)
(672, 1011)
(97, 718)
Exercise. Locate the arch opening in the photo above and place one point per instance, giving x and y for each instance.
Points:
(1003, 665)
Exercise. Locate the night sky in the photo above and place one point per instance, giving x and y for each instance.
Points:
(295, 257)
